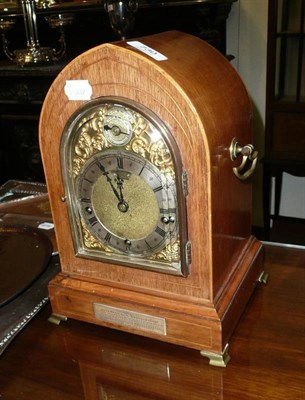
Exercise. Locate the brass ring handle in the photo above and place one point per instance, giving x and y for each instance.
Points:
(249, 160)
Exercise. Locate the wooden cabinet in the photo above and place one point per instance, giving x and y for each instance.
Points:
(285, 100)
(22, 90)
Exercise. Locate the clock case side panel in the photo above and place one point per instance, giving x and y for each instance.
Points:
(221, 103)
(223, 111)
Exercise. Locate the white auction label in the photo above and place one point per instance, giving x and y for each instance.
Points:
(78, 90)
(46, 225)
(147, 50)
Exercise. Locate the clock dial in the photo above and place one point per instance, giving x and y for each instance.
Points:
(127, 203)
(124, 186)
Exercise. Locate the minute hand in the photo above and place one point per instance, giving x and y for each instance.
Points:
(106, 174)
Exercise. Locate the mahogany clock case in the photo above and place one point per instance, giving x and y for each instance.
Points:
(202, 101)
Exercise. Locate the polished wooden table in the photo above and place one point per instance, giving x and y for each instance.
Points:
(80, 361)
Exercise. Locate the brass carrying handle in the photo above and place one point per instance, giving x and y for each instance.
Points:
(249, 160)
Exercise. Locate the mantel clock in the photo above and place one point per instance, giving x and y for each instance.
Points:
(148, 188)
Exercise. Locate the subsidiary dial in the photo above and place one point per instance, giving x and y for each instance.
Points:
(118, 125)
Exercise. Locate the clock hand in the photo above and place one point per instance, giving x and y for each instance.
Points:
(106, 174)
(122, 205)
(120, 187)
(115, 130)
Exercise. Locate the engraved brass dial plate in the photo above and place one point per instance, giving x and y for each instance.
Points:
(124, 186)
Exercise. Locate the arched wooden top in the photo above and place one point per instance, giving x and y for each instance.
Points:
(194, 71)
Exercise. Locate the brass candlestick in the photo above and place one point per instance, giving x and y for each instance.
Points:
(34, 53)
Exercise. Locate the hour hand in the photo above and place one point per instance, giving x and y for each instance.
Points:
(122, 205)
(119, 183)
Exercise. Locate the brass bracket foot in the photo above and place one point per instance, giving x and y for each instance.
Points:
(263, 278)
(57, 318)
(216, 359)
